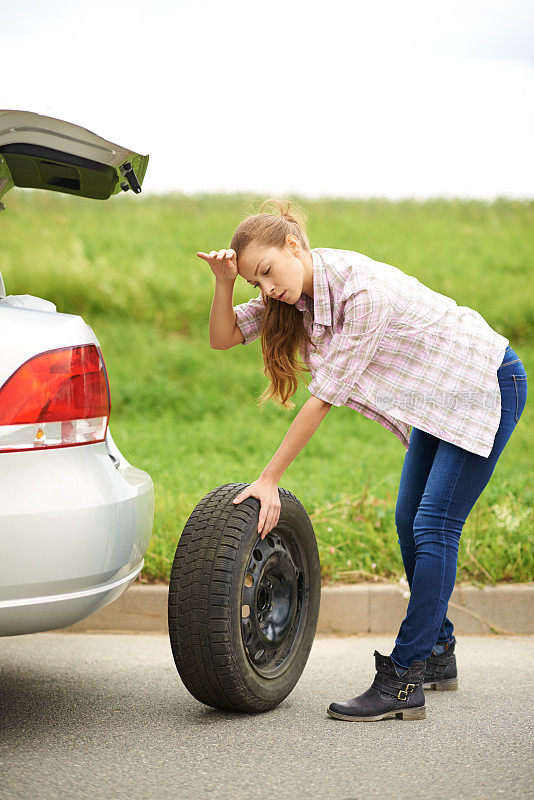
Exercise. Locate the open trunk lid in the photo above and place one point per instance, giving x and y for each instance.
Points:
(42, 152)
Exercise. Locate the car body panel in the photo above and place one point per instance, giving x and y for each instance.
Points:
(70, 522)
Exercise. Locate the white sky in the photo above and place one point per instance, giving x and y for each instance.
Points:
(383, 97)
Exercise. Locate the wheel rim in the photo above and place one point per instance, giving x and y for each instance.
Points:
(273, 602)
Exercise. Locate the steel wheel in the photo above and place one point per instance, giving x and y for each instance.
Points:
(273, 596)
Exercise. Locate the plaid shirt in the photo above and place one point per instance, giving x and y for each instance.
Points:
(396, 351)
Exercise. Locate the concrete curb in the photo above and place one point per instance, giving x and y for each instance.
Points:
(345, 609)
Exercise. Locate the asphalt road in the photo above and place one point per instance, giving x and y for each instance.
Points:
(106, 716)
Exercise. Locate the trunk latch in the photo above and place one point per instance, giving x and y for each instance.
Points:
(129, 173)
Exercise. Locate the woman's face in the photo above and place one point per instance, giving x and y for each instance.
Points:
(277, 271)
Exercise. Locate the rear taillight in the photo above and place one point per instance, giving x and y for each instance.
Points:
(56, 399)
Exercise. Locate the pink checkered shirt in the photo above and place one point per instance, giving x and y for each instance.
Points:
(396, 351)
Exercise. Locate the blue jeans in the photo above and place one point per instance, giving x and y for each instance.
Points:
(439, 486)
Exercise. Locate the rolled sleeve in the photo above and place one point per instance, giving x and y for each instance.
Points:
(366, 318)
(327, 388)
(249, 318)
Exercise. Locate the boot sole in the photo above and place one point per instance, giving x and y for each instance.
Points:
(447, 685)
(401, 713)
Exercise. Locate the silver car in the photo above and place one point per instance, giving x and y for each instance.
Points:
(76, 517)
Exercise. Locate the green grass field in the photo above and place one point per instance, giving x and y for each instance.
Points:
(187, 414)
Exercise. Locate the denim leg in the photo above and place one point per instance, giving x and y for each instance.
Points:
(418, 461)
(455, 481)
(436, 551)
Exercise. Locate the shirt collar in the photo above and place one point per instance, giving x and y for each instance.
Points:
(322, 312)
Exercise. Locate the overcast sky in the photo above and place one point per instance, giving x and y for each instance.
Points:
(400, 99)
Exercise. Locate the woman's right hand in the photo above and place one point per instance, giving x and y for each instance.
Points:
(223, 264)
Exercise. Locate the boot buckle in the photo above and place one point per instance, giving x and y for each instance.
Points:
(409, 688)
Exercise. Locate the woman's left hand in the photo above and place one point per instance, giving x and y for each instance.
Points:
(267, 493)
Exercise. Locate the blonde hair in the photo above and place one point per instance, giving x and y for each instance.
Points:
(283, 334)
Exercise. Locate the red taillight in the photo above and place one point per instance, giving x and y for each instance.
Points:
(56, 399)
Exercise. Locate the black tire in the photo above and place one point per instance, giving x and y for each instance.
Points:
(220, 569)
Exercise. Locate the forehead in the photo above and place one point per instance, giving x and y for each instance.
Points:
(251, 257)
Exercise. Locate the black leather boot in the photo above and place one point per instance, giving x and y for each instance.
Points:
(388, 696)
(441, 672)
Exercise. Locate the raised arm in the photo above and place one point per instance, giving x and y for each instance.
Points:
(223, 330)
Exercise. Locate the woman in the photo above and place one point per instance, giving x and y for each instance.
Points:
(380, 342)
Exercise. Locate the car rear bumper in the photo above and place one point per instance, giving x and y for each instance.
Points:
(74, 530)
(33, 614)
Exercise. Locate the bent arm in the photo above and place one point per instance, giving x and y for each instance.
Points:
(300, 432)
(222, 324)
